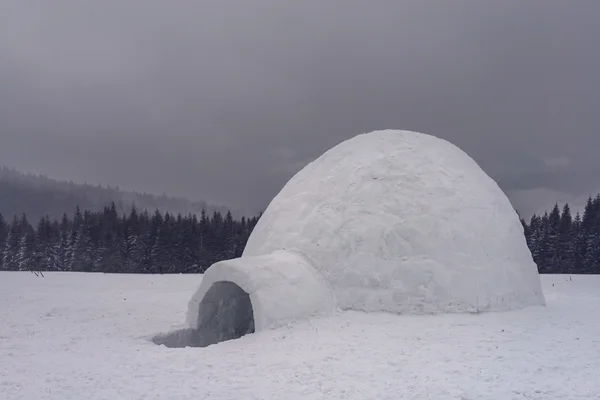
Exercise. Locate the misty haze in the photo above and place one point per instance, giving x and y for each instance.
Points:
(268, 199)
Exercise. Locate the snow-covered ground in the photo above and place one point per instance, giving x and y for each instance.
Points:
(87, 336)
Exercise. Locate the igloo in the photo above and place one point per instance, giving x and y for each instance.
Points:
(388, 221)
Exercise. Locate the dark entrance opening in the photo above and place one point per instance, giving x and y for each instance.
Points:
(225, 313)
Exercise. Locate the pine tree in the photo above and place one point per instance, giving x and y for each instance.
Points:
(11, 246)
(535, 232)
(23, 251)
(203, 253)
(41, 254)
(592, 261)
(24, 258)
(82, 252)
(590, 233)
(162, 251)
(564, 250)
(62, 247)
(187, 238)
(578, 245)
(3, 235)
(553, 240)
(544, 245)
(230, 239)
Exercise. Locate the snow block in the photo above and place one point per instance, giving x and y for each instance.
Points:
(282, 286)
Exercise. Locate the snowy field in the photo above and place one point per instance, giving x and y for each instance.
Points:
(86, 336)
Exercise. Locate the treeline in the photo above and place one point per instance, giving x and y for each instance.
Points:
(138, 242)
(562, 243)
(134, 243)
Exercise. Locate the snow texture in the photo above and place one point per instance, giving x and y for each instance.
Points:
(282, 286)
(403, 222)
(73, 336)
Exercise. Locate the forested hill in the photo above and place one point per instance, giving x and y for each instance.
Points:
(38, 196)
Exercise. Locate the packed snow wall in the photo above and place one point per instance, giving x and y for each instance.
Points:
(392, 221)
(282, 287)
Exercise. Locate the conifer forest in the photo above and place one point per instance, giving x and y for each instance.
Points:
(140, 242)
(563, 243)
(135, 243)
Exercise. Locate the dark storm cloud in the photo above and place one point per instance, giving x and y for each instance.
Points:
(225, 100)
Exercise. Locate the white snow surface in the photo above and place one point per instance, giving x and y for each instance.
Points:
(403, 222)
(73, 336)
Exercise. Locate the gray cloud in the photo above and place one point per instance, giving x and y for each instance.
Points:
(225, 100)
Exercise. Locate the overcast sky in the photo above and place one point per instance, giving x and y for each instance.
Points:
(226, 100)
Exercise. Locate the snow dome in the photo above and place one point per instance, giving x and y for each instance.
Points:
(389, 221)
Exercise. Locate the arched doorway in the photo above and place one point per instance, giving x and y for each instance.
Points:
(225, 313)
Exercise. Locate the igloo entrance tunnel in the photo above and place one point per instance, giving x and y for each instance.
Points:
(389, 221)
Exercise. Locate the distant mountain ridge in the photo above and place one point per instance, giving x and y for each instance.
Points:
(38, 196)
